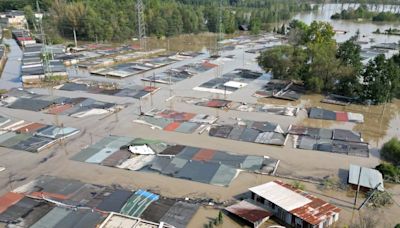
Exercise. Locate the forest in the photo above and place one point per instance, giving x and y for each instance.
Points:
(362, 12)
(109, 20)
(314, 57)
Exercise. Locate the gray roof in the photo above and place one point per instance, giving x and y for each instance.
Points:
(369, 178)
(30, 104)
(180, 214)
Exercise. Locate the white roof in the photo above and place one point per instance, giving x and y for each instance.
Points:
(369, 178)
(234, 84)
(280, 195)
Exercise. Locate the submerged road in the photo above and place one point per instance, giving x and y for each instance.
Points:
(10, 77)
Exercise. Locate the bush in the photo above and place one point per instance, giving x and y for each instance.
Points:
(379, 199)
(298, 185)
(391, 151)
(329, 183)
(389, 172)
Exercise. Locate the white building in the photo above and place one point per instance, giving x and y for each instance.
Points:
(294, 207)
(14, 18)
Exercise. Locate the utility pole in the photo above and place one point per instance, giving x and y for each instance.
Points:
(220, 28)
(141, 24)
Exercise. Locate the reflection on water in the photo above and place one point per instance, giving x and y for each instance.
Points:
(366, 28)
(381, 122)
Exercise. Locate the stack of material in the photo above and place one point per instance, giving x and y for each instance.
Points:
(135, 91)
(128, 69)
(253, 131)
(31, 137)
(318, 113)
(243, 107)
(175, 75)
(191, 163)
(170, 120)
(281, 89)
(230, 82)
(338, 100)
(329, 140)
(74, 107)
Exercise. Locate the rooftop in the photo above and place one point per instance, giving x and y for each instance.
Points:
(369, 178)
(280, 195)
(299, 203)
(248, 211)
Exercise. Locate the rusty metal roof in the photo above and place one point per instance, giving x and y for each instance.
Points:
(248, 211)
(8, 200)
(314, 212)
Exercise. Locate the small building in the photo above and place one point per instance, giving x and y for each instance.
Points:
(249, 212)
(367, 178)
(14, 18)
(294, 207)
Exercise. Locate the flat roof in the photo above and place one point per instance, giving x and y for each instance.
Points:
(369, 178)
(116, 220)
(280, 195)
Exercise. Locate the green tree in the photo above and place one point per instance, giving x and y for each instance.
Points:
(391, 151)
(349, 54)
(74, 13)
(320, 32)
(255, 25)
(350, 68)
(297, 32)
(285, 62)
(381, 80)
(389, 171)
(323, 67)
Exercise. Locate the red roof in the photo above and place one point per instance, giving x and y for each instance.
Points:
(58, 109)
(8, 200)
(172, 126)
(209, 65)
(49, 195)
(204, 155)
(217, 103)
(342, 116)
(150, 88)
(33, 127)
(24, 38)
(314, 212)
(248, 211)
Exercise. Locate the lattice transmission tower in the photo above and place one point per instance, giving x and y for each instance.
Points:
(141, 25)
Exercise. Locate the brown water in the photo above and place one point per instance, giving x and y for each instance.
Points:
(189, 42)
(365, 27)
(381, 122)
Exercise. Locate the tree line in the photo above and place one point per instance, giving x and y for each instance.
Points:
(314, 57)
(362, 12)
(108, 20)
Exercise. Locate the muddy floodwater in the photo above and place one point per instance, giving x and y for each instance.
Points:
(381, 122)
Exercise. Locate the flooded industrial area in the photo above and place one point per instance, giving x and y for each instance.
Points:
(181, 133)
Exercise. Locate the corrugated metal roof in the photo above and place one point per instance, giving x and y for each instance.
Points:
(369, 178)
(8, 200)
(52, 218)
(297, 202)
(248, 211)
(280, 195)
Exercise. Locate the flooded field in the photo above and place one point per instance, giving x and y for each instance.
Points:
(190, 42)
(381, 122)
